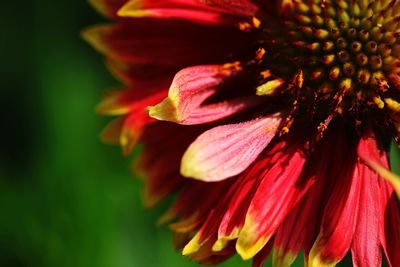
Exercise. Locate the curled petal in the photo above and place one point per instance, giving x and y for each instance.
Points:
(191, 87)
(228, 150)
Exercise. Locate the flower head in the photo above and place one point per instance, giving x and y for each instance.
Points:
(271, 119)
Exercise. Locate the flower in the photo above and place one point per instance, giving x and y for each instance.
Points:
(271, 119)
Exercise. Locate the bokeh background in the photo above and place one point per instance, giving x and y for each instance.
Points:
(66, 199)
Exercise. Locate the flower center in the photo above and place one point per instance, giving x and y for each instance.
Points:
(346, 52)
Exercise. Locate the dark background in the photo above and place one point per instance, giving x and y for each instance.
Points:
(66, 199)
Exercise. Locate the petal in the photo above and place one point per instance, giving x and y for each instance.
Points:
(389, 214)
(393, 178)
(365, 248)
(112, 132)
(340, 215)
(299, 228)
(244, 8)
(206, 256)
(228, 150)
(125, 101)
(235, 213)
(132, 130)
(161, 174)
(292, 233)
(213, 224)
(207, 12)
(372, 155)
(191, 87)
(391, 235)
(131, 103)
(262, 256)
(169, 44)
(108, 8)
(131, 74)
(281, 187)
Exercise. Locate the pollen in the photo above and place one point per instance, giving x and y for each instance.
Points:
(348, 52)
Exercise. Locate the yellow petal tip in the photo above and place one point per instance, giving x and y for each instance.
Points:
(281, 258)
(193, 246)
(315, 259)
(165, 111)
(190, 167)
(219, 245)
(94, 36)
(249, 243)
(132, 9)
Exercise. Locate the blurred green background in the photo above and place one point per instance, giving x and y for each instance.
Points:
(67, 200)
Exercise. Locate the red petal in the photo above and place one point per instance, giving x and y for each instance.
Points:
(208, 12)
(244, 8)
(132, 74)
(391, 236)
(132, 100)
(375, 158)
(262, 256)
(299, 227)
(168, 43)
(340, 215)
(235, 213)
(161, 174)
(279, 191)
(132, 103)
(228, 150)
(191, 87)
(366, 250)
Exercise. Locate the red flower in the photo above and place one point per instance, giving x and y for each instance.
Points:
(271, 120)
